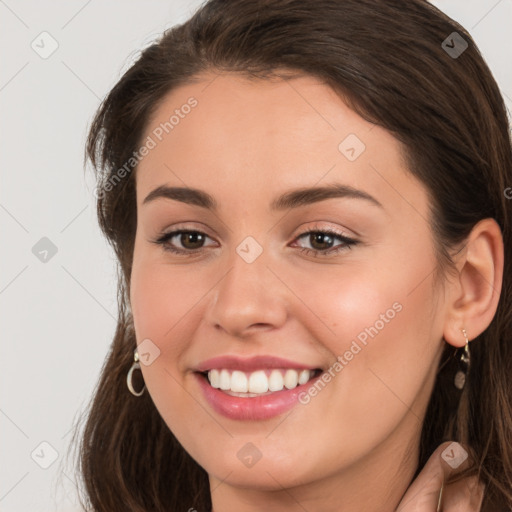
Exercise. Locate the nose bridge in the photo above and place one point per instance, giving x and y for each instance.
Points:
(248, 294)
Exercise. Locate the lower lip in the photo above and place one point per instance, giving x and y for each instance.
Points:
(252, 408)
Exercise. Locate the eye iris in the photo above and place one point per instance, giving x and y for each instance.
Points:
(194, 238)
(322, 239)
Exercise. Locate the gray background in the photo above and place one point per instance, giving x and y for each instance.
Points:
(58, 308)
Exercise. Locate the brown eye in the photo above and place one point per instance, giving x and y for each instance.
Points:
(320, 241)
(191, 239)
(182, 241)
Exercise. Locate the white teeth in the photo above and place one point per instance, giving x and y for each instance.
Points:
(276, 381)
(291, 377)
(304, 376)
(214, 377)
(239, 382)
(224, 380)
(259, 382)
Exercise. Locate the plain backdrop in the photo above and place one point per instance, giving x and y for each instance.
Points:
(57, 280)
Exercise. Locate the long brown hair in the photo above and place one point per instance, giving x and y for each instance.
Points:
(388, 61)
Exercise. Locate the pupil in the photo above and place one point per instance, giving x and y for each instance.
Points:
(318, 237)
(191, 237)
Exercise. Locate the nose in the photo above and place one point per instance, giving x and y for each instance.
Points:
(248, 298)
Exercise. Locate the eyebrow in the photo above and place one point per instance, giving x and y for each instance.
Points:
(292, 199)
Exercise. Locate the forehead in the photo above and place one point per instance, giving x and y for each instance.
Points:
(236, 133)
(298, 115)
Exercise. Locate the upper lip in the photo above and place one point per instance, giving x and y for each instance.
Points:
(251, 363)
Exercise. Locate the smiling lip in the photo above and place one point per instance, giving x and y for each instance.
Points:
(251, 408)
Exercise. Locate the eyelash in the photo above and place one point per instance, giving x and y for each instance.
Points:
(163, 240)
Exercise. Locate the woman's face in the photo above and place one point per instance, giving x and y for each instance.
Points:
(364, 308)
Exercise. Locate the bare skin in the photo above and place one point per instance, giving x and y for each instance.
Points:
(354, 445)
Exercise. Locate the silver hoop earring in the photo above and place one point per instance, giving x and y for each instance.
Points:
(135, 366)
(460, 376)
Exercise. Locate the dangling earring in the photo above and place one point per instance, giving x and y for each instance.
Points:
(460, 376)
(135, 366)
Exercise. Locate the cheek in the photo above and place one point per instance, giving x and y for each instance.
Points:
(378, 322)
(159, 303)
(164, 298)
(167, 303)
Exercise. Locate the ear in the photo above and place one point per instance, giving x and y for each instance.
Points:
(474, 294)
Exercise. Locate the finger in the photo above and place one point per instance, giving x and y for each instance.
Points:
(423, 494)
(463, 496)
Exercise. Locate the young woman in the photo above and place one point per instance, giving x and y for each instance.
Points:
(310, 204)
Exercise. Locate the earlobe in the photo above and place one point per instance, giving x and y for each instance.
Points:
(474, 294)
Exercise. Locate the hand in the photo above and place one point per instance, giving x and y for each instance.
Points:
(424, 494)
